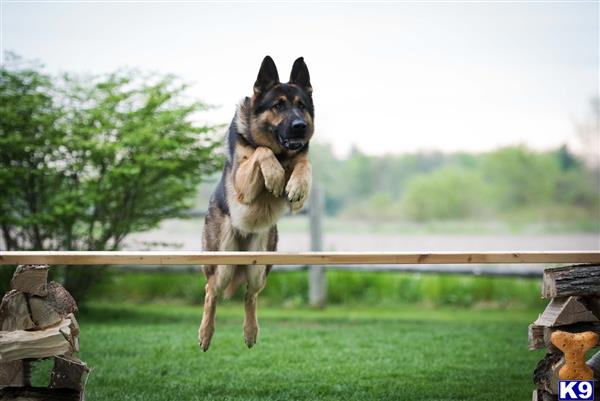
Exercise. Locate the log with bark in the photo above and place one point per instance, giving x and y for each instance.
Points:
(541, 395)
(582, 280)
(60, 299)
(545, 375)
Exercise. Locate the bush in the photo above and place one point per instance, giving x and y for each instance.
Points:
(86, 161)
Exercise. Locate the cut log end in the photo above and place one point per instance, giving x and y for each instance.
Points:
(42, 313)
(14, 312)
(69, 372)
(31, 279)
(12, 374)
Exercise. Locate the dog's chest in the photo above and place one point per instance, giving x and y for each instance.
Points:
(258, 216)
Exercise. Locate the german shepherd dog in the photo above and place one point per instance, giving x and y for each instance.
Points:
(267, 172)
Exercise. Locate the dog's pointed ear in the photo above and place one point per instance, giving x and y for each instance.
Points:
(267, 76)
(300, 75)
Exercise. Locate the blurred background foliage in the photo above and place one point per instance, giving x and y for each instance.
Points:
(87, 160)
(507, 183)
(344, 288)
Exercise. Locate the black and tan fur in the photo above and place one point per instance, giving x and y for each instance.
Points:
(267, 172)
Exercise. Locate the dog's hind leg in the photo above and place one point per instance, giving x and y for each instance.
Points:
(256, 276)
(218, 278)
(214, 288)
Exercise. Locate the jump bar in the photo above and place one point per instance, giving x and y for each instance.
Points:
(288, 258)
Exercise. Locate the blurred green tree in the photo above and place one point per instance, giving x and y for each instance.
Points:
(521, 177)
(86, 161)
(447, 193)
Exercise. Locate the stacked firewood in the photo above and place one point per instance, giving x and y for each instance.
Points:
(37, 322)
(569, 328)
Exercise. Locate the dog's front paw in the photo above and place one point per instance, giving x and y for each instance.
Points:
(274, 176)
(297, 188)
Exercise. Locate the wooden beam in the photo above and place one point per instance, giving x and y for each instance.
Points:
(280, 258)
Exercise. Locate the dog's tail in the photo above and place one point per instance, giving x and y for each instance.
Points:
(239, 278)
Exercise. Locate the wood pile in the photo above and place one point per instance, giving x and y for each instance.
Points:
(569, 326)
(37, 321)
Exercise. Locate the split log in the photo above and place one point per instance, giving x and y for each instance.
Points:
(541, 395)
(594, 364)
(74, 332)
(12, 374)
(38, 394)
(14, 312)
(593, 304)
(539, 336)
(69, 372)
(42, 313)
(545, 375)
(564, 311)
(583, 280)
(55, 340)
(60, 299)
(74, 324)
(31, 279)
(535, 337)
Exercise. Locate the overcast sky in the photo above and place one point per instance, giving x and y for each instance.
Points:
(386, 77)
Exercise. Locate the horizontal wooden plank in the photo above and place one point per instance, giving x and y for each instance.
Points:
(292, 258)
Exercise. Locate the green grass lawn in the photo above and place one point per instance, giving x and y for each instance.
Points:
(406, 353)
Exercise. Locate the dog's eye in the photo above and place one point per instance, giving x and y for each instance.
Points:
(279, 106)
(301, 106)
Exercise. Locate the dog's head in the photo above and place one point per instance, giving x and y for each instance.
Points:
(280, 115)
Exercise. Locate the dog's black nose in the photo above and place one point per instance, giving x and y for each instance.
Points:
(298, 126)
